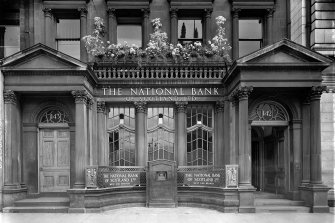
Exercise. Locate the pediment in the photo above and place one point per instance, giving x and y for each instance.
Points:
(41, 57)
(284, 52)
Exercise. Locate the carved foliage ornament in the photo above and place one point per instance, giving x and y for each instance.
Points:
(242, 92)
(181, 106)
(219, 106)
(101, 106)
(268, 112)
(9, 97)
(82, 96)
(317, 91)
(140, 106)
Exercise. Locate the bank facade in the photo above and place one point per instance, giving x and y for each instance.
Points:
(163, 134)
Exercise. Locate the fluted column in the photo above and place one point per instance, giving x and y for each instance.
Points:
(181, 107)
(140, 133)
(48, 28)
(226, 132)
(306, 143)
(145, 27)
(90, 149)
(235, 34)
(174, 26)
(83, 32)
(269, 23)
(112, 26)
(81, 97)
(102, 148)
(11, 152)
(208, 15)
(219, 155)
(2, 41)
(316, 135)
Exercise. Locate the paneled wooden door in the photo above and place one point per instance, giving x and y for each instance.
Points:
(54, 160)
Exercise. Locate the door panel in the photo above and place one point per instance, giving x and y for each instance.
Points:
(54, 160)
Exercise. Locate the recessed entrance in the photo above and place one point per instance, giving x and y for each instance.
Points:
(268, 158)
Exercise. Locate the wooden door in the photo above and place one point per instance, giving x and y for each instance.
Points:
(54, 161)
(269, 165)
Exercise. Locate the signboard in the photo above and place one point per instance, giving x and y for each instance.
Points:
(120, 179)
(202, 178)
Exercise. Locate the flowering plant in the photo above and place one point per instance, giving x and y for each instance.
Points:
(158, 46)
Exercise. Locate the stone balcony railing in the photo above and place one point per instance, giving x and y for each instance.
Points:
(160, 71)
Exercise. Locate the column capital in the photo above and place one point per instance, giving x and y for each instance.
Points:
(243, 92)
(140, 106)
(81, 96)
(101, 106)
(270, 12)
(89, 103)
(9, 97)
(236, 12)
(47, 12)
(208, 12)
(111, 11)
(146, 12)
(173, 12)
(219, 106)
(317, 91)
(83, 12)
(181, 106)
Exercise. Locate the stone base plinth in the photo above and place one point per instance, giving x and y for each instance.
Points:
(12, 194)
(316, 197)
(246, 198)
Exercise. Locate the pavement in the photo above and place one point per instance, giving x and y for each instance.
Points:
(168, 215)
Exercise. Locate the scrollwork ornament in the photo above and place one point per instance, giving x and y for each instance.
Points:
(317, 91)
(181, 106)
(140, 106)
(9, 97)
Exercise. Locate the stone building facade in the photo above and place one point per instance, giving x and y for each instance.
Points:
(208, 133)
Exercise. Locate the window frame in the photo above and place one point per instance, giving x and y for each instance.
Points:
(202, 29)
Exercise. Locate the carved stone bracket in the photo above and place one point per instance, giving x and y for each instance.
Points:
(181, 106)
(81, 96)
(242, 93)
(317, 91)
(47, 12)
(232, 176)
(140, 106)
(101, 106)
(219, 106)
(9, 97)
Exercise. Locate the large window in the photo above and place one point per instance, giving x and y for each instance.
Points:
(121, 129)
(130, 33)
(11, 40)
(189, 31)
(68, 37)
(250, 36)
(199, 135)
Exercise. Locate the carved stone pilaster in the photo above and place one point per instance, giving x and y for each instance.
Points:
(83, 12)
(140, 106)
(181, 106)
(219, 106)
(242, 93)
(80, 96)
(101, 106)
(9, 97)
(47, 12)
(317, 91)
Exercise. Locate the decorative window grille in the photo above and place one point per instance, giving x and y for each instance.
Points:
(121, 129)
(161, 133)
(269, 111)
(199, 135)
(54, 116)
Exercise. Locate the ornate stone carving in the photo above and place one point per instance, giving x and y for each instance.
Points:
(208, 13)
(236, 13)
(243, 92)
(47, 12)
(140, 106)
(101, 106)
(269, 111)
(317, 91)
(173, 12)
(270, 12)
(111, 12)
(83, 12)
(89, 103)
(80, 96)
(146, 12)
(181, 106)
(231, 175)
(219, 106)
(9, 97)
(91, 177)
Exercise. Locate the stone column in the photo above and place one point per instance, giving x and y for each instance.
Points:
(11, 164)
(102, 148)
(2, 132)
(246, 190)
(174, 26)
(219, 155)
(140, 133)
(145, 27)
(226, 132)
(49, 38)
(306, 144)
(90, 148)
(297, 151)
(2, 41)
(235, 34)
(83, 32)
(234, 155)
(208, 15)
(81, 98)
(181, 107)
(112, 26)
(269, 23)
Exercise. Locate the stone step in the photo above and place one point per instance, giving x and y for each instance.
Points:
(274, 208)
(45, 209)
(267, 195)
(43, 202)
(277, 202)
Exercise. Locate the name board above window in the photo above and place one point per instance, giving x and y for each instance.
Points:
(54, 116)
(268, 111)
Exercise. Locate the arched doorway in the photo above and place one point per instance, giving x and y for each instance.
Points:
(269, 147)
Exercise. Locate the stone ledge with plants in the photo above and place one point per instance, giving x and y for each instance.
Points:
(158, 51)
